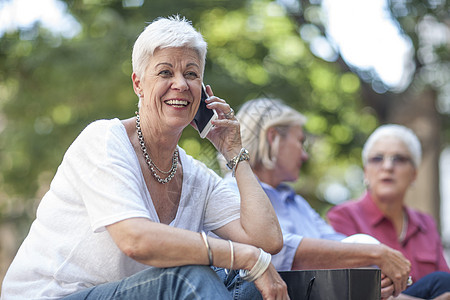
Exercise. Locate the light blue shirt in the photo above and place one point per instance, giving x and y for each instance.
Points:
(297, 220)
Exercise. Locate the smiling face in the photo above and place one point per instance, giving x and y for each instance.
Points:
(291, 154)
(389, 170)
(171, 87)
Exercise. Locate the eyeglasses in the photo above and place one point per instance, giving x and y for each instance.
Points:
(396, 160)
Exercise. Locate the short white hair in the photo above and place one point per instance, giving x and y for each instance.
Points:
(174, 31)
(403, 133)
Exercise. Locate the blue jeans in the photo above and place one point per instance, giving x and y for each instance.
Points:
(187, 282)
(430, 286)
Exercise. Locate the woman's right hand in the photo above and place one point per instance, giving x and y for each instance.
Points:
(271, 285)
(226, 134)
(394, 265)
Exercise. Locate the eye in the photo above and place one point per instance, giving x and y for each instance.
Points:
(165, 73)
(400, 159)
(191, 75)
(376, 159)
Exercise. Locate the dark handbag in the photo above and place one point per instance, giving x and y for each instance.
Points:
(334, 284)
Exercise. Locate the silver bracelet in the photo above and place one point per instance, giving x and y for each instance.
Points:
(231, 257)
(232, 164)
(205, 239)
(258, 269)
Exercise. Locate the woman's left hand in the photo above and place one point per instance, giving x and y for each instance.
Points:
(225, 135)
(271, 285)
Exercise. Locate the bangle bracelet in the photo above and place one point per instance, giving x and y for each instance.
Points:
(231, 257)
(258, 269)
(231, 254)
(208, 249)
(232, 164)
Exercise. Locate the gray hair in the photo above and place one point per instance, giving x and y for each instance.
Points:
(256, 117)
(162, 33)
(403, 133)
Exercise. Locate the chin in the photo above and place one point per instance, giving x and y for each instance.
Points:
(291, 178)
(388, 195)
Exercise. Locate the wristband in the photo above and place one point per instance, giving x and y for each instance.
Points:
(258, 269)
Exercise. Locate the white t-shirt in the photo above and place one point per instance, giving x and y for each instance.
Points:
(98, 183)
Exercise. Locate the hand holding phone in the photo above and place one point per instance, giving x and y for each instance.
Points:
(204, 115)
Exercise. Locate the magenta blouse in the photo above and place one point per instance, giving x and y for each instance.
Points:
(422, 244)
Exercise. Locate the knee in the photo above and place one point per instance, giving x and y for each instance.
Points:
(441, 278)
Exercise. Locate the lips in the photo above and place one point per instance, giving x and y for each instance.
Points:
(177, 103)
(387, 180)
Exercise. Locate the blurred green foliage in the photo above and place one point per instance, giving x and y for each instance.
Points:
(51, 87)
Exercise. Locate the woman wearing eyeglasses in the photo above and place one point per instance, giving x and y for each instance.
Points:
(391, 156)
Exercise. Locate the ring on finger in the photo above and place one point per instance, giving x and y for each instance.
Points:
(410, 281)
(230, 114)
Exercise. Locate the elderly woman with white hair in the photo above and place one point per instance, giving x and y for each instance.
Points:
(127, 211)
(391, 157)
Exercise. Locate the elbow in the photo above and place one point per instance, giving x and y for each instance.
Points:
(135, 248)
(278, 241)
(275, 245)
(132, 250)
(278, 245)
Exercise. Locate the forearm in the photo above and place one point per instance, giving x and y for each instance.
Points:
(163, 246)
(326, 254)
(258, 219)
(313, 253)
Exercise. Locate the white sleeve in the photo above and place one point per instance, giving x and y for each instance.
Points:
(104, 167)
(211, 199)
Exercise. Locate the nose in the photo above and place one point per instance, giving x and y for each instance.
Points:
(305, 155)
(180, 83)
(388, 163)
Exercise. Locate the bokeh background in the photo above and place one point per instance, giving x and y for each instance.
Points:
(348, 65)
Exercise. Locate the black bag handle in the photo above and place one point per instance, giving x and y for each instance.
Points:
(308, 291)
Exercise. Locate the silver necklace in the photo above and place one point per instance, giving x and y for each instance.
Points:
(402, 236)
(150, 163)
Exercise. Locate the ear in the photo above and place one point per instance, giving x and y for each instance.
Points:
(136, 84)
(271, 134)
(414, 176)
(365, 180)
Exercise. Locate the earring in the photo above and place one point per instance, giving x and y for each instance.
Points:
(366, 183)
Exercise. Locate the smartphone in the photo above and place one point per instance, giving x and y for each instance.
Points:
(204, 115)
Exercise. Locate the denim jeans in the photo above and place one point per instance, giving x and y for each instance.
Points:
(430, 286)
(187, 282)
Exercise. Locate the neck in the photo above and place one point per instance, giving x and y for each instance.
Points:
(392, 210)
(388, 205)
(160, 145)
(267, 176)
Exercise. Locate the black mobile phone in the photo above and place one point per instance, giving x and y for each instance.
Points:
(204, 115)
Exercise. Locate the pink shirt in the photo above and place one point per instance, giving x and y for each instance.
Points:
(422, 244)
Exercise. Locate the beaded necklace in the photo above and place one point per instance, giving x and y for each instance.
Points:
(148, 160)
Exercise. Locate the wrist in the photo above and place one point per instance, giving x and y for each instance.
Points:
(378, 254)
(245, 256)
(258, 269)
(242, 156)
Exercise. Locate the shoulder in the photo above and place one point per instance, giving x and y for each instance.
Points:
(347, 206)
(100, 127)
(101, 136)
(347, 211)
